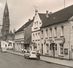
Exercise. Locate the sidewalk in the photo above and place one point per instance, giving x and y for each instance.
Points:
(15, 52)
(48, 59)
(58, 61)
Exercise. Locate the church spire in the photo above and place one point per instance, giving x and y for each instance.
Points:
(6, 11)
(6, 22)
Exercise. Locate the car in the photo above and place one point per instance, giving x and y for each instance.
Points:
(26, 54)
(24, 50)
(34, 55)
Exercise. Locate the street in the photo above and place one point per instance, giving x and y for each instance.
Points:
(8, 60)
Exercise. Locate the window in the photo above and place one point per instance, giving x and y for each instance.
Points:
(42, 34)
(51, 47)
(61, 48)
(55, 46)
(55, 32)
(10, 44)
(50, 32)
(62, 30)
(40, 22)
(47, 32)
(36, 22)
(36, 34)
(33, 34)
(66, 51)
(42, 31)
(47, 47)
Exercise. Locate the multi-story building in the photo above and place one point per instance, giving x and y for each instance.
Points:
(56, 33)
(23, 36)
(36, 32)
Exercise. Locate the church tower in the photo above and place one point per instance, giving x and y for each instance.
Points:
(6, 23)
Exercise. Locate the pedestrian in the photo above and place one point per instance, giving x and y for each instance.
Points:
(38, 55)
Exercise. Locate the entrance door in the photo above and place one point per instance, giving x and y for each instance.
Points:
(52, 48)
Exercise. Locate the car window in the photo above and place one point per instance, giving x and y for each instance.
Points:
(33, 53)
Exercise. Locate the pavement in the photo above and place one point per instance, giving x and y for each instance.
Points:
(15, 52)
(49, 59)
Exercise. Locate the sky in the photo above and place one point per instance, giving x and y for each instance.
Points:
(22, 10)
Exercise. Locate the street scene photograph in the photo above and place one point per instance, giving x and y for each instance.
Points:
(36, 33)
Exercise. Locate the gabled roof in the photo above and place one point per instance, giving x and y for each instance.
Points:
(24, 26)
(57, 17)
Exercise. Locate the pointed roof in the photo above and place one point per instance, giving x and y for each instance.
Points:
(24, 26)
(57, 17)
(6, 11)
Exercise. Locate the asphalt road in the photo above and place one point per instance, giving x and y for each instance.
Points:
(14, 61)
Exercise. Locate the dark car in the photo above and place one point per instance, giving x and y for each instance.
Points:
(26, 54)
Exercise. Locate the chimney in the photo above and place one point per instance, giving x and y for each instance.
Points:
(29, 20)
(36, 11)
(47, 14)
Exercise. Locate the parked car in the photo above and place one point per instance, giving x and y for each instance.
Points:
(32, 55)
(26, 54)
(24, 50)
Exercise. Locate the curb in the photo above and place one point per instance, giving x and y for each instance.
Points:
(16, 53)
(63, 64)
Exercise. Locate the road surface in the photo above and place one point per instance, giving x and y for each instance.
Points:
(8, 60)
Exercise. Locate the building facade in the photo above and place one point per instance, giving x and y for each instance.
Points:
(23, 36)
(36, 32)
(56, 33)
(19, 40)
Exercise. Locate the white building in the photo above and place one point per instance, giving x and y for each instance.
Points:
(56, 33)
(36, 32)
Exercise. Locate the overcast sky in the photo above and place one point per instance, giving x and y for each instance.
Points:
(22, 10)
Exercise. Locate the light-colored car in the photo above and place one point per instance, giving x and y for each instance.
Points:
(34, 54)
